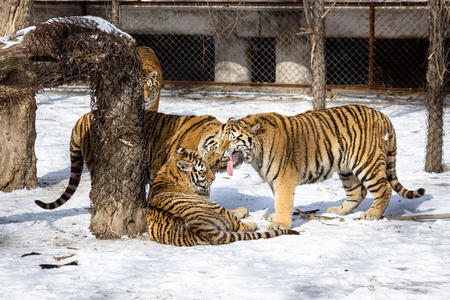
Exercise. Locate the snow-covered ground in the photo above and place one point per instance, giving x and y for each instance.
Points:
(352, 259)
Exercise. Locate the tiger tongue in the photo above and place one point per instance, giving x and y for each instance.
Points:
(230, 167)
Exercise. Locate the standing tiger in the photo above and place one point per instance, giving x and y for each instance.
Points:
(180, 213)
(151, 77)
(356, 141)
(164, 133)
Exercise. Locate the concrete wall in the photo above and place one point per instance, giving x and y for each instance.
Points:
(399, 23)
(233, 28)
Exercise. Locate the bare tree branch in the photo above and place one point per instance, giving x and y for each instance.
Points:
(312, 216)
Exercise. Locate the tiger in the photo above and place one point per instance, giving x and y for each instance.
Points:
(151, 77)
(180, 212)
(356, 141)
(164, 133)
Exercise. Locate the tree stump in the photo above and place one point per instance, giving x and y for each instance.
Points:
(118, 180)
(17, 109)
(17, 137)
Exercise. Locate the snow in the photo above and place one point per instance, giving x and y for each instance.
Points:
(352, 259)
(16, 38)
(101, 24)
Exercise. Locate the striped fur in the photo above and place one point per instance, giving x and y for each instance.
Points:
(80, 150)
(181, 214)
(164, 134)
(356, 141)
(151, 77)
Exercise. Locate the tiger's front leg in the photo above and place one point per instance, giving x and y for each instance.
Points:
(283, 189)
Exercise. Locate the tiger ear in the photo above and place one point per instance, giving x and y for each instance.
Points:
(184, 166)
(255, 128)
(180, 150)
(154, 74)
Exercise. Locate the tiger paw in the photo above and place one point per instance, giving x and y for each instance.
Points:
(279, 225)
(270, 217)
(371, 215)
(240, 212)
(251, 226)
(337, 210)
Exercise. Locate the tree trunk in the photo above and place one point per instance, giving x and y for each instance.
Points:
(118, 179)
(318, 53)
(17, 136)
(14, 15)
(115, 13)
(17, 118)
(439, 19)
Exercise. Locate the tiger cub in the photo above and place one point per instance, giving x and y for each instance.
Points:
(164, 133)
(151, 77)
(356, 141)
(180, 213)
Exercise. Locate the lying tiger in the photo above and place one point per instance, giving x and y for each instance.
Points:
(180, 213)
(164, 133)
(356, 141)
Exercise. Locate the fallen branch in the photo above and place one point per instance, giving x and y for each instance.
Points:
(418, 217)
(58, 258)
(307, 212)
(52, 266)
(29, 254)
(311, 215)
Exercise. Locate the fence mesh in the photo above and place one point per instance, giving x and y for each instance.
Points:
(381, 44)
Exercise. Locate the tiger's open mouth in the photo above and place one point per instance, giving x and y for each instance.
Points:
(236, 159)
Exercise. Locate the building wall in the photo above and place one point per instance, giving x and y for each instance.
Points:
(234, 28)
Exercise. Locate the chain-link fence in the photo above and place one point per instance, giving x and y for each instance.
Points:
(376, 44)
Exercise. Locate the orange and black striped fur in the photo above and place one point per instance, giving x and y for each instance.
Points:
(356, 141)
(80, 148)
(180, 213)
(151, 77)
(164, 133)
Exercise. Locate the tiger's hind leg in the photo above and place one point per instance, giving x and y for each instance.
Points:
(233, 222)
(228, 218)
(355, 191)
(246, 226)
(380, 189)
